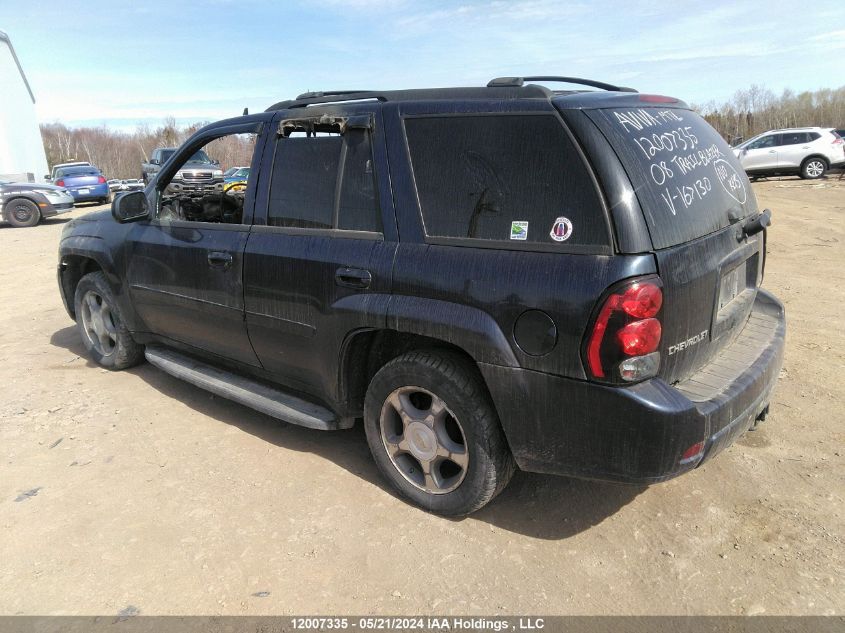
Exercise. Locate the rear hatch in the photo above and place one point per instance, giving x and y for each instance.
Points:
(81, 179)
(695, 199)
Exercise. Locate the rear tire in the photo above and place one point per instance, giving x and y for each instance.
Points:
(435, 434)
(813, 168)
(100, 324)
(22, 213)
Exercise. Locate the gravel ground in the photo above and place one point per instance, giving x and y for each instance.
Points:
(132, 492)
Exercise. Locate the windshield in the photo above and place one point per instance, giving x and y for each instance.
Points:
(200, 157)
(687, 179)
(241, 173)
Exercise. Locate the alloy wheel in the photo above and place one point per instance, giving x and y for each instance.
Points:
(99, 323)
(424, 440)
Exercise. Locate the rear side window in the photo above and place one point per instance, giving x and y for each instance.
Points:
(513, 179)
(687, 179)
(304, 180)
(794, 138)
(324, 182)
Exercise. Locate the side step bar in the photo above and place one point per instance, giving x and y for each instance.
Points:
(258, 396)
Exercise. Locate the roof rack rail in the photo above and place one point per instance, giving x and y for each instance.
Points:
(331, 96)
(520, 81)
(330, 93)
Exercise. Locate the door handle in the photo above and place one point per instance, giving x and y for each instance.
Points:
(353, 277)
(772, 151)
(219, 260)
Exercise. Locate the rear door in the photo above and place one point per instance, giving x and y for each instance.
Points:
(695, 198)
(318, 262)
(793, 148)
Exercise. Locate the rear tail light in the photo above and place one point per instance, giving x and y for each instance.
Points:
(622, 343)
(837, 141)
(59, 183)
(640, 337)
(101, 180)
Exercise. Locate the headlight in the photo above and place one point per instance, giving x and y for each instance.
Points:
(178, 176)
(217, 173)
(54, 194)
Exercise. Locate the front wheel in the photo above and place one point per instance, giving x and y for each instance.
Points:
(434, 432)
(22, 213)
(103, 332)
(813, 168)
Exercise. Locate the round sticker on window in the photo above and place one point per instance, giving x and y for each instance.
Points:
(561, 230)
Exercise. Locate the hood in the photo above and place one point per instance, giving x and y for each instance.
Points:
(23, 187)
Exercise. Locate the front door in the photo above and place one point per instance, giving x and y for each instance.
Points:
(793, 149)
(185, 265)
(760, 155)
(319, 259)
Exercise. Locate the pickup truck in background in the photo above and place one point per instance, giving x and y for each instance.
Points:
(200, 173)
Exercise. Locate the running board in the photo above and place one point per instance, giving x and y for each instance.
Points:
(258, 396)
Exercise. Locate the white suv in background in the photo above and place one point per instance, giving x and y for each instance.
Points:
(806, 151)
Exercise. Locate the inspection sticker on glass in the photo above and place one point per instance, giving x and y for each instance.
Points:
(561, 229)
(519, 230)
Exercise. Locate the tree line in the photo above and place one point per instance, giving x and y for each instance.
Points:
(756, 109)
(120, 154)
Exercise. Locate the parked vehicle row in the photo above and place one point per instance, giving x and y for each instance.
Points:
(808, 151)
(129, 184)
(492, 278)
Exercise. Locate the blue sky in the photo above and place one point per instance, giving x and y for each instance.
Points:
(123, 63)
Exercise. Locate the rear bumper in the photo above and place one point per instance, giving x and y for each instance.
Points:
(638, 434)
(95, 192)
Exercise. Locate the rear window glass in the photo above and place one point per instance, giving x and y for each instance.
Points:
(77, 171)
(687, 179)
(514, 179)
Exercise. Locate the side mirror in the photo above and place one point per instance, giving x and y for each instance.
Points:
(47, 178)
(130, 206)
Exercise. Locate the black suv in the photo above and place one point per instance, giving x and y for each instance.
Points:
(495, 277)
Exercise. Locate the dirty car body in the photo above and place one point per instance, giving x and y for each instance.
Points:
(610, 320)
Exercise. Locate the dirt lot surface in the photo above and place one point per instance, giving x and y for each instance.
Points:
(133, 492)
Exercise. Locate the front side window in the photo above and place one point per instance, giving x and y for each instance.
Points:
(760, 143)
(324, 180)
(507, 178)
(197, 192)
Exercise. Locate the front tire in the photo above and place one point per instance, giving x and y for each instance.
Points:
(22, 213)
(101, 327)
(813, 168)
(434, 432)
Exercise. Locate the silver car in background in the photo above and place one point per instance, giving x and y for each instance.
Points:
(806, 151)
(26, 203)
